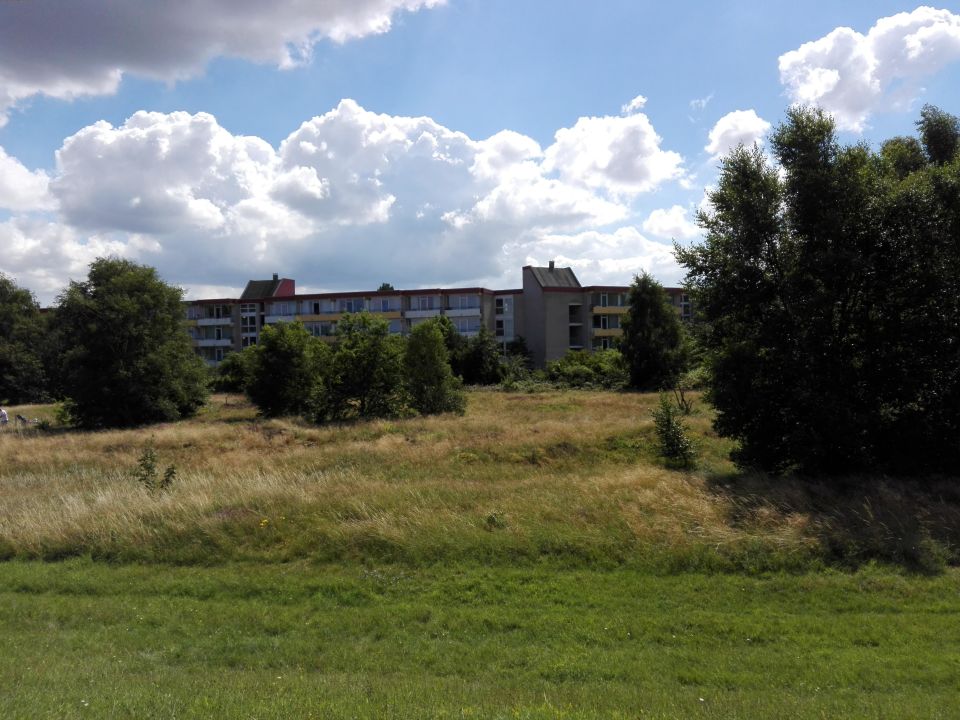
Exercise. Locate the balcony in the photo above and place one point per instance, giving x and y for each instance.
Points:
(210, 342)
(463, 312)
(270, 319)
(413, 314)
(609, 309)
(607, 332)
(206, 322)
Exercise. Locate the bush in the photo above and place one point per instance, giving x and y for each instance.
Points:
(675, 444)
(366, 375)
(233, 373)
(284, 369)
(581, 369)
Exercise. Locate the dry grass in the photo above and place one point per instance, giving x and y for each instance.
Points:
(570, 475)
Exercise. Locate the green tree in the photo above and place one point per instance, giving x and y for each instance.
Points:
(829, 290)
(284, 370)
(386, 287)
(233, 372)
(127, 357)
(480, 361)
(365, 378)
(455, 342)
(652, 340)
(23, 336)
(430, 381)
(939, 133)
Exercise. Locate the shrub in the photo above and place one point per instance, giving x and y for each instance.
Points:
(675, 444)
(581, 369)
(284, 369)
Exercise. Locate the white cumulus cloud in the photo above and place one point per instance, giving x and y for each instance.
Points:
(20, 188)
(671, 223)
(84, 47)
(853, 75)
(348, 199)
(621, 155)
(740, 127)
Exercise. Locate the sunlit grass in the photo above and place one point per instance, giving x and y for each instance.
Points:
(573, 476)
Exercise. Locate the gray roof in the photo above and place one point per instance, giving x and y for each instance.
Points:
(555, 277)
(259, 289)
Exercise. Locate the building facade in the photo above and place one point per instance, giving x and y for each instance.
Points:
(552, 312)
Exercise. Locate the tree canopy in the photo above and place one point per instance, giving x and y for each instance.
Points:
(23, 339)
(830, 289)
(652, 342)
(284, 371)
(127, 357)
(431, 384)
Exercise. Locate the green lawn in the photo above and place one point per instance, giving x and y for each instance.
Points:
(85, 639)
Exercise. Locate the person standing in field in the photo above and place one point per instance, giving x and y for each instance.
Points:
(3, 416)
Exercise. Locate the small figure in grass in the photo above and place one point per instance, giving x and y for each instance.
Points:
(3, 416)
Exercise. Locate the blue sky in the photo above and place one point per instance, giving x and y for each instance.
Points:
(416, 141)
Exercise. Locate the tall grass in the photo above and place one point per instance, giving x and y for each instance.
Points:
(568, 476)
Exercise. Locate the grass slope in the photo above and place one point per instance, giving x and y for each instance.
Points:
(572, 476)
(532, 559)
(83, 639)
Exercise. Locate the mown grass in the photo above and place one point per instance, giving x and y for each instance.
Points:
(84, 639)
(570, 477)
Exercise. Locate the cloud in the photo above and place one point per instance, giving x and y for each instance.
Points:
(671, 224)
(603, 258)
(20, 189)
(853, 75)
(740, 127)
(349, 199)
(71, 49)
(634, 105)
(621, 155)
(699, 104)
(43, 255)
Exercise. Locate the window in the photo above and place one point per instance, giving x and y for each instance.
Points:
(499, 328)
(466, 324)
(351, 305)
(248, 309)
(422, 302)
(499, 306)
(604, 300)
(248, 341)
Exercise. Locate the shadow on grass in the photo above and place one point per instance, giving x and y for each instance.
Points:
(912, 523)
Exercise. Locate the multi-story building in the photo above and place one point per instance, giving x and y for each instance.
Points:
(552, 312)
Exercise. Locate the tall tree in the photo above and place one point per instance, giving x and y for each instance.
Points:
(652, 340)
(829, 287)
(128, 359)
(480, 360)
(430, 381)
(22, 339)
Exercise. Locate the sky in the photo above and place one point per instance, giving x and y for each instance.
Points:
(424, 143)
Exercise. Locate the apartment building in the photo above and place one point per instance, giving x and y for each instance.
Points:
(552, 312)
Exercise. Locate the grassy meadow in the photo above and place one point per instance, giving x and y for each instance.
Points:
(533, 558)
